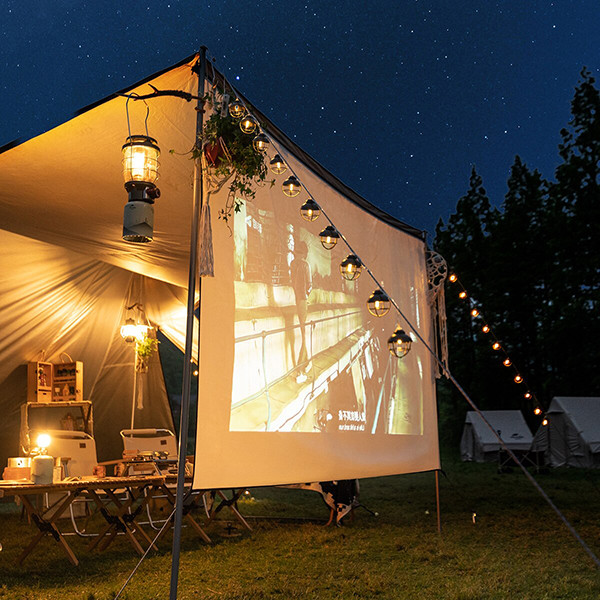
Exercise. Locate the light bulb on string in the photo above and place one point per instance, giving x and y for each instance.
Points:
(248, 124)
(310, 210)
(329, 237)
(452, 278)
(545, 422)
(236, 109)
(261, 142)
(496, 346)
(399, 343)
(485, 329)
(527, 395)
(351, 267)
(462, 295)
(474, 313)
(291, 186)
(378, 303)
(506, 362)
(518, 379)
(278, 165)
(537, 410)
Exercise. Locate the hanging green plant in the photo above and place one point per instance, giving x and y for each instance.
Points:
(232, 156)
(144, 349)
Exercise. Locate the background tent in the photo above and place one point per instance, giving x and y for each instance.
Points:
(479, 444)
(572, 436)
(66, 278)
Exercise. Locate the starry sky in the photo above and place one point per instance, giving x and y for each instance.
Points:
(398, 98)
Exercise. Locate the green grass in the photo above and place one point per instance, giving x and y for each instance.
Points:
(517, 548)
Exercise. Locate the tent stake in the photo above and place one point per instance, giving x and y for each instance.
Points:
(437, 500)
(189, 337)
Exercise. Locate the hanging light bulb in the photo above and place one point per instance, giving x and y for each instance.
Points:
(545, 422)
(261, 142)
(329, 237)
(291, 186)
(399, 343)
(462, 295)
(248, 124)
(278, 165)
(496, 346)
(378, 303)
(518, 379)
(351, 267)
(474, 312)
(452, 278)
(310, 210)
(506, 362)
(537, 410)
(43, 441)
(485, 329)
(236, 109)
(527, 395)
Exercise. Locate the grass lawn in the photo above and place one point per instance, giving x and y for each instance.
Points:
(517, 547)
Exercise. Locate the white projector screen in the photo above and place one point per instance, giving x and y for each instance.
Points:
(296, 381)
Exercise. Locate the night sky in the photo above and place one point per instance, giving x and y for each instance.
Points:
(397, 98)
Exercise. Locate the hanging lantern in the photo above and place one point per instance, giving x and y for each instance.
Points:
(506, 362)
(261, 142)
(518, 379)
(140, 171)
(351, 267)
(248, 124)
(236, 109)
(462, 295)
(291, 186)
(329, 237)
(485, 329)
(452, 278)
(399, 343)
(496, 346)
(131, 332)
(310, 210)
(278, 166)
(537, 411)
(140, 159)
(378, 303)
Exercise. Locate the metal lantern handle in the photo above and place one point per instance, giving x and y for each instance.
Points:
(137, 96)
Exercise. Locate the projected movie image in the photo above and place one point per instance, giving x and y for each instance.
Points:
(309, 357)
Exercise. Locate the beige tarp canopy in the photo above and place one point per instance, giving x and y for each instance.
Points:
(66, 276)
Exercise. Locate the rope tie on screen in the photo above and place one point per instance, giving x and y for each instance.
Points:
(442, 365)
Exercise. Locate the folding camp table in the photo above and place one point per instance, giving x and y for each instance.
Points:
(119, 518)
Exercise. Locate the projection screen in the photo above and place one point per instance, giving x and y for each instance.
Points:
(296, 382)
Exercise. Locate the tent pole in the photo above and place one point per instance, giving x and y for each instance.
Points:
(189, 336)
(437, 500)
(134, 382)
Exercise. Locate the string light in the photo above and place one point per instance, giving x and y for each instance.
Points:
(545, 422)
(399, 343)
(261, 142)
(291, 186)
(485, 329)
(329, 237)
(527, 395)
(278, 165)
(248, 124)
(310, 210)
(537, 410)
(506, 362)
(237, 109)
(474, 312)
(496, 346)
(518, 379)
(462, 295)
(351, 267)
(452, 278)
(379, 304)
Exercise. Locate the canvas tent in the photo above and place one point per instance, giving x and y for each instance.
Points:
(572, 436)
(479, 444)
(67, 277)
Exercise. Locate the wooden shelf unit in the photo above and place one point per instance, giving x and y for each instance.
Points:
(39, 382)
(67, 382)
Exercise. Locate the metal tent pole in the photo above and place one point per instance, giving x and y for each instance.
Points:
(189, 335)
(437, 500)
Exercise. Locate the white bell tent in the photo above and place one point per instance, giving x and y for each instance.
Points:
(479, 444)
(572, 436)
(291, 390)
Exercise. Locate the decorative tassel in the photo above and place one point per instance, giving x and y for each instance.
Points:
(206, 266)
(140, 390)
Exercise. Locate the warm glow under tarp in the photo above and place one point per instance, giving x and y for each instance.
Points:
(297, 383)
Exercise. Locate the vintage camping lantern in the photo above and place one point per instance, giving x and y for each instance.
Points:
(310, 210)
(248, 124)
(291, 186)
(278, 165)
(140, 171)
(399, 343)
(261, 142)
(378, 303)
(329, 237)
(351, 267)
(131, 332)
(236, 109)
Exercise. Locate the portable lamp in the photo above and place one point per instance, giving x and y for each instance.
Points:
(140, 171)
(351, 267)
(378, 303)
(261, 142)
(399, 343)
(291, 186)
(131, 332)
(310, 210)
(42, 442)
(329, 237)
(278, 165)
